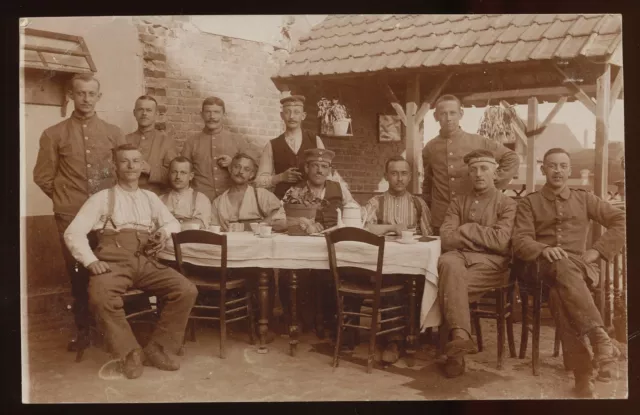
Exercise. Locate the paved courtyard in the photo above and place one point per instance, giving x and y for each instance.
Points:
(245, 375)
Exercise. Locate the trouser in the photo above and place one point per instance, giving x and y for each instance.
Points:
(79, 279)
(571, 304)
(461, 283)
(129, 268)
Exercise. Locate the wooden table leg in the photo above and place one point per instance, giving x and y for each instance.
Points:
(293, 328)
(412, 335)
(263, 321)
(319, 288)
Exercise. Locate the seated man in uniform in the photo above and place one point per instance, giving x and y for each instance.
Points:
(476, 235)
(184, 202)
(244, 203)
(317, 169)
(131, 225)
(551, 229)
(397, 209)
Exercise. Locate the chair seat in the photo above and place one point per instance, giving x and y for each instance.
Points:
(354, 288)
(214, 283)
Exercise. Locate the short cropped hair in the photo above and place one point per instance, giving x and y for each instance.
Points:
(391, 160)
(85, 77)
(240, 156)
(478, 153)
(555, 150)
(448, 97)
(214, 101)
(181, 159)
(123, 147)
(147, 98)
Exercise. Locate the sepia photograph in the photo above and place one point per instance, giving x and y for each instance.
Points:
(307, 208)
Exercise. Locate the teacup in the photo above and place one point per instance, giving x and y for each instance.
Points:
(407, 235)
(255, 227)
(265, 230)
(237, 227)
(215, 228)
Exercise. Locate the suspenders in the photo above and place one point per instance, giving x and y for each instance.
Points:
(165, 199)
(111, 203)
(416, 204)
(255, 192)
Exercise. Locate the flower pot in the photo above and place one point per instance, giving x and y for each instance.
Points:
(341, 127)
(294, 212)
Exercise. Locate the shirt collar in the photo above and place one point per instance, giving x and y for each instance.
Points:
(127, 192)
(547, 192)
(148, 132)
(457, 133)
(487, 194)
(209, 133)
(79, 117)
(405, 194)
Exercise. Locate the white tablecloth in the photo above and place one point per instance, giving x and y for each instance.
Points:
(310, 252)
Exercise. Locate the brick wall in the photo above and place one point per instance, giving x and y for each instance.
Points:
(359, 159)
(183, 65)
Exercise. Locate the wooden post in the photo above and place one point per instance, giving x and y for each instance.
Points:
(414, 141)
(532, 124)
(603, 101)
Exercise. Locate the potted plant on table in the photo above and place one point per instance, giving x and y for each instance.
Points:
(300, 206)
(334, 117)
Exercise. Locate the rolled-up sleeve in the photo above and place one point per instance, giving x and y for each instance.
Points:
(46, 166)
(203, 209)
(167, 223)
(75, 236)
(524, 241)
(264, 177)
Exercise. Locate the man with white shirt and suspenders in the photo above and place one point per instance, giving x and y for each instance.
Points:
(132, 224)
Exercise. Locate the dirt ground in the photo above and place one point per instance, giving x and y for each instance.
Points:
(245, 375)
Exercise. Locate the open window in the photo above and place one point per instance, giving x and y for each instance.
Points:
(49, 60)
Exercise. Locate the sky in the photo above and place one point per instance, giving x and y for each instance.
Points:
(266, 28)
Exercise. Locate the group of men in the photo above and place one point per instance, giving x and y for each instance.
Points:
(131, 192)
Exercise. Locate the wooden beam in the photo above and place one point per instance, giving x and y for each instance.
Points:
(616, 89)
(532, 124)
(483, 97)
(424, 109)
(47, 49)
(394, 101)
(553, 112)
(602, 132)
(413, 141)
(51, 35)
(577, 91)
(433, 95)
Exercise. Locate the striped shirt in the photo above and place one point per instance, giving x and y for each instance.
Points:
(399, 210)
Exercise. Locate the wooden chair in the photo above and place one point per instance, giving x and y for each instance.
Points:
(363, 290)
(228, 311)
(496, 304)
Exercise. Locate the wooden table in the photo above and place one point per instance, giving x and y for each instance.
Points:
(246, 250)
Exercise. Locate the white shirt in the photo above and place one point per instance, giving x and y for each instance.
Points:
(140, 210)
(266, 169)
(181, 205)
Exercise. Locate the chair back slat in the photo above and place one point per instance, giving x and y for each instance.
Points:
(204, 238)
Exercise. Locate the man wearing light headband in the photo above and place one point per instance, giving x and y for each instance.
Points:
(475, 234)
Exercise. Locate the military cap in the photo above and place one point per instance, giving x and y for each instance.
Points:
(293, 100)
(480, 155)
(318, 154)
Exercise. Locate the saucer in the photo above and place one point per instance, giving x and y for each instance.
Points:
(273, 235)
(408, 242)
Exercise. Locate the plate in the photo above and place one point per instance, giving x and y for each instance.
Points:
(409, 242)
(273, 235)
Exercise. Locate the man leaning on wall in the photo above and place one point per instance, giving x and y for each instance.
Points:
(74, 162)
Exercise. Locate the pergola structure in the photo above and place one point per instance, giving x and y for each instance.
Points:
(482, 59)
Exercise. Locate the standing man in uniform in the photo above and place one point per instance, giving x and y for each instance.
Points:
(74, 162)
(476, 241)
(445, 174)
(211, 150)
(551, 229)
(156, 147)
(131, 224)
(282, 161)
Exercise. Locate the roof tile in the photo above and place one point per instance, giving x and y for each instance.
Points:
(364, 43)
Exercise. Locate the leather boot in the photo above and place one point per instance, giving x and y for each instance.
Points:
(604, 355)
(454, 367)
(584, 387)
(155, 356)
(391, 353)
(132, 364)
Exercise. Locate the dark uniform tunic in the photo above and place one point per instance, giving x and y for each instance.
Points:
(545, 219)
(158, 150)
(446, 175)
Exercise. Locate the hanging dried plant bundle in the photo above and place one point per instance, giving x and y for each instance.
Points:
(496, 124)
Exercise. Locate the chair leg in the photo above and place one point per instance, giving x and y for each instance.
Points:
(336, 352)
(250, 317)
(223, 325)
(535, 347)
(373, 334)
(556, 343)
(501, 324)
(510, 336)
(524, 337)
(192, 330)
(478, 328)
